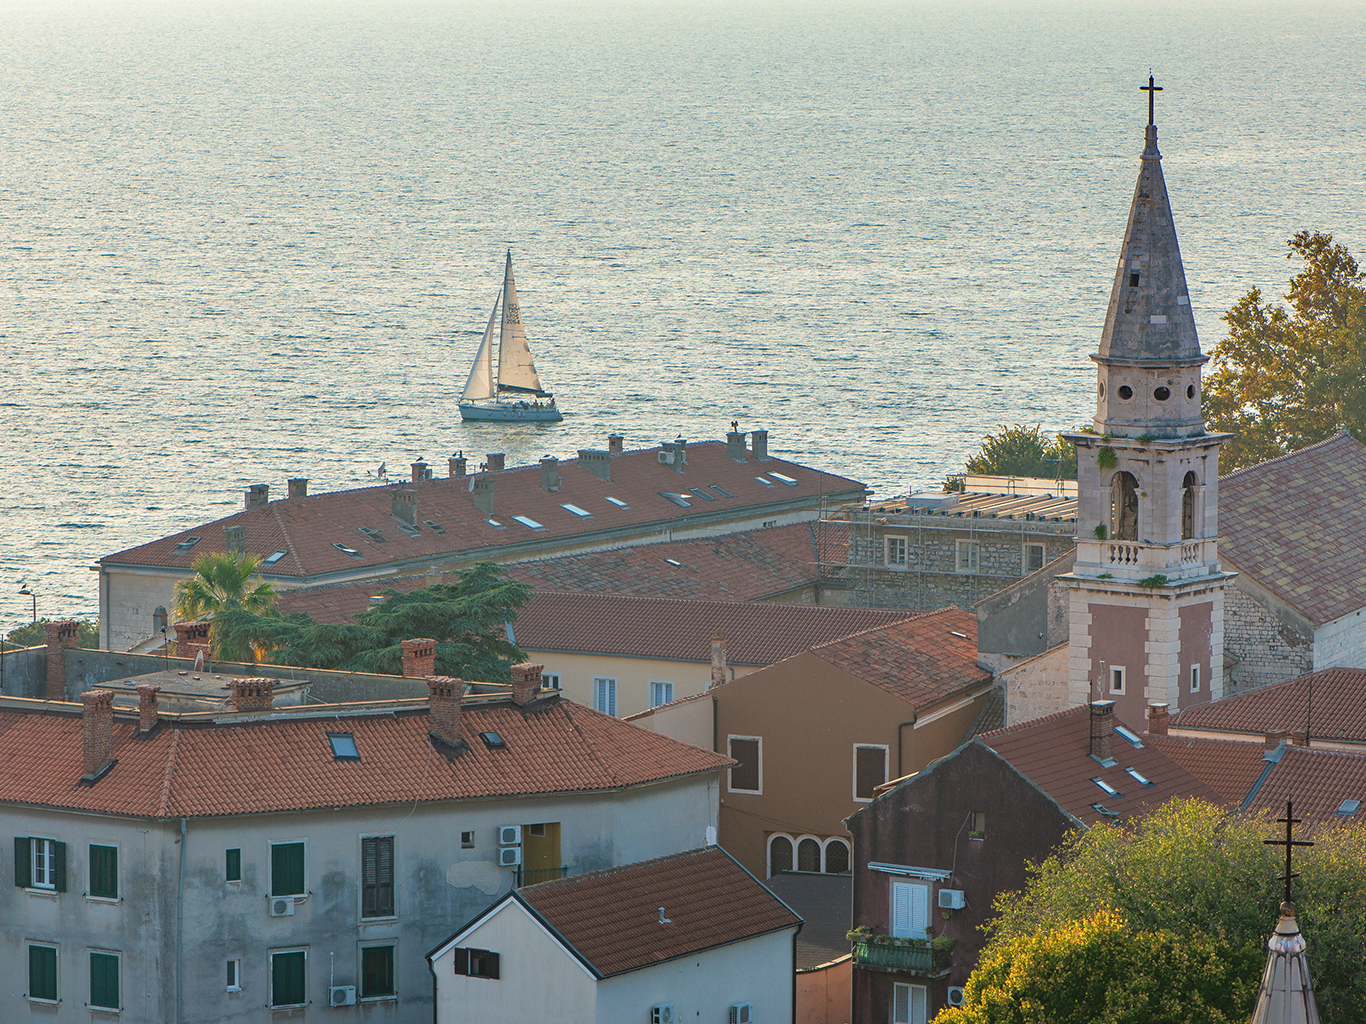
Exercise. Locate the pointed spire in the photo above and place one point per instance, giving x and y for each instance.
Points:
(1149, 321)
(1286, 995)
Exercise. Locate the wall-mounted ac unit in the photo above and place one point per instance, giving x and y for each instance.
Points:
(666, 458)
(662, 1013)
(509, 856)
(509, 835)
(742, 1013)
(955, 995)
(341, 995)
(951, 899)
(282, 906)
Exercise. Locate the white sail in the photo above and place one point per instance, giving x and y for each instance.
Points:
(480, 382)
(516, 371)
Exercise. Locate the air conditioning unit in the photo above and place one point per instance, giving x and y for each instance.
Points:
(341, 995)
(509, 856)
(955, 995)
(951, 899)
(282, 906)
(666, 458)
(509, 835)
(741, 1013)
(662, 1013)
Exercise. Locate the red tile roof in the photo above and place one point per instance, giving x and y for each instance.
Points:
(1296, 526)
(1053, 752)
(285, 763)
(1339, 708)
(611, 918)
(1228, 767)
(1318, 781)
(921, 659)
(309, 530)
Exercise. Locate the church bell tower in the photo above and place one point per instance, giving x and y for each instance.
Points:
(1147, 594)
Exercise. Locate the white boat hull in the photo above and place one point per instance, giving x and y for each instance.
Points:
(510, 412)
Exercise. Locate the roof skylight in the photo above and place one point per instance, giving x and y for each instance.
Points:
(434, 527)
(272, 559)
(492, 740)
(672, 561)
(681, 500)
(766, 483)
(495, 524)
(528, 522)
(349, 551)
(1102, 809)
(374, 535)
(701, 494)
(186, 544)
(617, 502)
(1134, 740)
(785, 479)
(582, 513)
(722, 491)
(1109, 789)
(1347, 808)
(343, 746)
(1138, 777)
(411, 531)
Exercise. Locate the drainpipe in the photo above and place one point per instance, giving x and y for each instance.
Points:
(180, 929)
(794, 973)
(900, 771)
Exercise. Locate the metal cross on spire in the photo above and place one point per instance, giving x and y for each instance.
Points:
(1151, 90)
(1289, 843)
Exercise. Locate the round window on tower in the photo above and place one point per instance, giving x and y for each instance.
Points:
(1162, 394)
(1190, 391)
(1126, 392)
(1100, 389)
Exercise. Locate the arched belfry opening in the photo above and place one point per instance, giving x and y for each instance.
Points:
(1124, 506)
(1188, 485)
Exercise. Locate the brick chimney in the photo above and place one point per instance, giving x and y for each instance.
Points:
(97, 728)
(1157, 719)
(597, 462)
(616, 444)
(457, 464)
(258, 495)
(191, 638)
(421, 471)
(1273, 740)
(759, 444)
(526, 682)
(298, 487)
(419, 657)
(147, 706)
(1103, 730)
(483, 494)
(253, 694)
(1299, 738)
(735, 445)
(718, 659)
(235, 540)
(61, 637)
(496, 461)
(403, 505)
(443, 700)
(550, 473)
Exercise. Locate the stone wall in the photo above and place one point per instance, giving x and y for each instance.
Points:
(1342, 642)
(1269, 650)
(1036, 687)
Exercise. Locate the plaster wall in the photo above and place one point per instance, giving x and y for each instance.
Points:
(824, 993)
(1342, 642)
(633, 676)
(24, 672)
(690, 722)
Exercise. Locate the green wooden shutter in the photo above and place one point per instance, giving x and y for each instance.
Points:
(287, 979)
(462, 960)
(234, 865)
(287, 869)
(104, 980)
(104, 871)
(42, 972)
(377, 876)
(23, 861)
(59, 866)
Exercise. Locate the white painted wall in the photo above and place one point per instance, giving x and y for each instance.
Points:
(633, 676)
(692, 722)
(1342, 642)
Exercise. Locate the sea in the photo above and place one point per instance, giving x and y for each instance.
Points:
(243, 241)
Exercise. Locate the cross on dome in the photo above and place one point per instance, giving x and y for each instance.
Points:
(1151, 90)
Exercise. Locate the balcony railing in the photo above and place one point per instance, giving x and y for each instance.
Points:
(532, 876)
(905, 956)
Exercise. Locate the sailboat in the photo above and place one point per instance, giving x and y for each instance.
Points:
(484, 391)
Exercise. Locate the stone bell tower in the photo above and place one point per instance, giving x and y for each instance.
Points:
(1147, 594)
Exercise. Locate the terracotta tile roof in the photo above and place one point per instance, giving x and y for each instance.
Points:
(309, 530)
(1296, 526)
(1318, 781)
(1053, 752)
(991, 717)
(1228, 767)
(611, 917)
(284, 763)
(921, 659)
(1339, 708)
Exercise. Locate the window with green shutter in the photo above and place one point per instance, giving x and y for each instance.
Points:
(104, 980)
(377, 876)
(376, 971)
(234, 865)
(287, 979)
(287, 869)
(42, 972)
(23, 861)
(104, 871)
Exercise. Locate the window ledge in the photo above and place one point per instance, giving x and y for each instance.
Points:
(379, 999)
(290, 1007)
(115, 900)
(42, 1002)
(386, 919)
(112, 1011)
(33, 891)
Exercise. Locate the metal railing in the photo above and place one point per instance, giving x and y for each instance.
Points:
(534, 875)
(907, 956)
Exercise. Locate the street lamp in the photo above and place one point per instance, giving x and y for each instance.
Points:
(29, 593)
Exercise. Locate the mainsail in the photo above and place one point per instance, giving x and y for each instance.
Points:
(516, 371)
(480, 382)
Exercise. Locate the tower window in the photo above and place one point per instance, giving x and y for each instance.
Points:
(1124, 507)
(1190, 390)
(1133, 279)
(1162, 394)
(1126, 392)
(1188, 483)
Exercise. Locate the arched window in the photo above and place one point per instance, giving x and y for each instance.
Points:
(779, 855)
(836, 857)
(1188, 507)
(1124, 507)
(809, 855)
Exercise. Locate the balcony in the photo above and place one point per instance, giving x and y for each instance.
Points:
(918, 957)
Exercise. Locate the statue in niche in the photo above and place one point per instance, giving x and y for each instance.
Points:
(1124, 503)
(1188, 507)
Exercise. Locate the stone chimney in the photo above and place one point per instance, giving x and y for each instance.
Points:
(97, 728)
(1273, 740)
(258, 495)
(235, 540)
(1103, 730)
(298, 487)
(483, 494)
(616, 444)
(61, 636)
(191, 638)
(550, 473)
(443, 701)
(457, 464)
(419, 657)
(253, 694)
(735, 445)
(147, 706)
(759, 444)
(1157, 719)
(526, 682)
(718, 659)
(597, 462)
(403, 505)
(671, 456)
(421, 471)
(681, 450)
(496, 461)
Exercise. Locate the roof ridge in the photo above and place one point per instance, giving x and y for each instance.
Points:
(1020, 726)
(593, 747)
(887, 625)
(1288, 455)
(164, 804)
(280, 522)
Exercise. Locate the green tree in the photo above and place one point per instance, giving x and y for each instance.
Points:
(35, 634)
(1025, 451)
(222, 580)
(468, 619)
(1287, 377)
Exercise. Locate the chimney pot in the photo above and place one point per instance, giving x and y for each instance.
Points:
(496, 461)
(1158, 717)
(526, 681)
(61, 637)
(443, 703)
(759, 444)
(735, 445)
(616, 444)
(97, 728)
(718, 659)
(1103, 730)
(235, 539)
(403, 505)
(419, 657)
(457, 463)
(550, 473)
(597, 462)
(147, 706)
(256, 694)
(483, 494)
(298, 487)
(258, 495)
(191, 638)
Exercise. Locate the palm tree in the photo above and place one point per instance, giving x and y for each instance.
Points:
(221, 580)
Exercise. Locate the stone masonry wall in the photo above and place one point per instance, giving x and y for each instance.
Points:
(1268, 650)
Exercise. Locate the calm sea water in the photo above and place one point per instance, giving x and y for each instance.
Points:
(244, 241)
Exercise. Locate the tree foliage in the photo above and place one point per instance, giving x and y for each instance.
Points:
(1025, 451)
(1287, 377)
(468, 619)
(220, 581)
(1202, 874)
(35, 634)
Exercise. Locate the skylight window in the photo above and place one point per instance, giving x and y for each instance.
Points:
(343, 746)
(374, 535)
(1102, 809)
(411, 531)
(348, 551)
(681, 500)
(528, 522)
(1138, 777)
(434, 527)
(617, 502)
(722, 491)
(1133, 740)
(674, 562)
(1109, 789)
(495, 524)
(186, 544)
(1347, 808)
(701, 494)
(492, 740)
(766, 483)
(272, 559)
(582, 513)
(785, 479)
